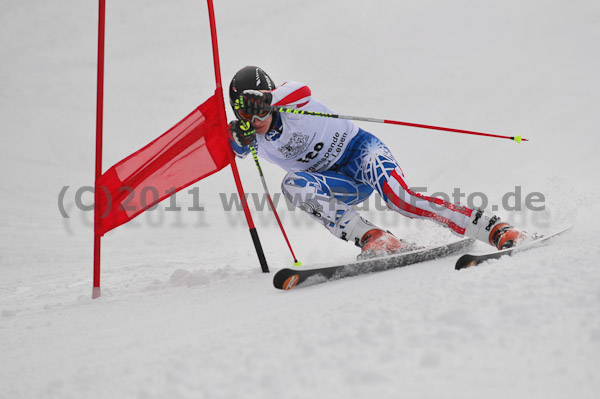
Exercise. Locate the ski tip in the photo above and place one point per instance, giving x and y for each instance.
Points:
(290, 282)
(286, 279)
(459, 265)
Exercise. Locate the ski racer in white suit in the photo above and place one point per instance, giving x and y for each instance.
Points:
(333, 164)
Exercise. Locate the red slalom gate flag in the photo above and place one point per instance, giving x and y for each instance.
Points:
(191, 150)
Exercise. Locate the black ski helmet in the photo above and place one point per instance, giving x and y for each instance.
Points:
(249, 78)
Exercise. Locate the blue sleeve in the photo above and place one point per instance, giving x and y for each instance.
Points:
(241, 152)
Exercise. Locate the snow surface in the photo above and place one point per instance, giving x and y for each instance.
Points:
(185, 311)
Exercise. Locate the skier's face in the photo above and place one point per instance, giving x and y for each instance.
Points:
(262, 127)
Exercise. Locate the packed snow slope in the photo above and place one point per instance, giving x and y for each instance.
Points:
(185, 311)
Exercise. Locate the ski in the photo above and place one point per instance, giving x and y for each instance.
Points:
(470, 260)
(286, 279)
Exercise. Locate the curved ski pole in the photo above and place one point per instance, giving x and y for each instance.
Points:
(264, 183)
(518, 139)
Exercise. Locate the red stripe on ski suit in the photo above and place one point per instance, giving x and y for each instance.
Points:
(396, 200)
(296, 95)
(460, 209)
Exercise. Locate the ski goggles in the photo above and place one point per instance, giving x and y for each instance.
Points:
(251, 117)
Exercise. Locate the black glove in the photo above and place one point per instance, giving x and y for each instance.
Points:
(253, 102)
(242, 132)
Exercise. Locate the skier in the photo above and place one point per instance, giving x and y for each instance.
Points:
(333, 164)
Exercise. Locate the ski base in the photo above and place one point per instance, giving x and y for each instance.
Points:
(470, 260)
(286, 279)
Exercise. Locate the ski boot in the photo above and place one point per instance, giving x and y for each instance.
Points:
(377, 242)
(492, 230)
(503, 236)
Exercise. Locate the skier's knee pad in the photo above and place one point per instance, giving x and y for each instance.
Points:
(309, 192)
(298, 186)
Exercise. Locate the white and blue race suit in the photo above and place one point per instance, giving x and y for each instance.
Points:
(332, 164)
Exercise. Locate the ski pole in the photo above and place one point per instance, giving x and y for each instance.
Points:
(518, 139)
(264, 183)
